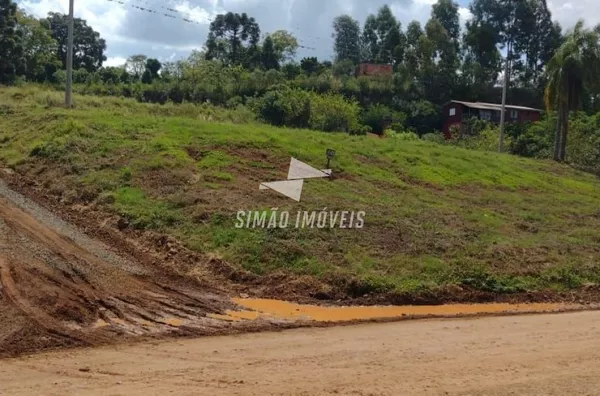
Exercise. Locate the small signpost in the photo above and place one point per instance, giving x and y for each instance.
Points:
(330, 153)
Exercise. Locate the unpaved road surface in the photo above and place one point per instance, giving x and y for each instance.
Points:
(557, 354)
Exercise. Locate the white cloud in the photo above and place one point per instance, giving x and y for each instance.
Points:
(568, 12)
(195, 13)
(464, 15)
(115, 61)
(419, 10)
(103, 16)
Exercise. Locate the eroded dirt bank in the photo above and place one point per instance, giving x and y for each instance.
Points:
(60, 288)
(524, 355)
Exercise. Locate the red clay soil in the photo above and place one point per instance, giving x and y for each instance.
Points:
(54, 292)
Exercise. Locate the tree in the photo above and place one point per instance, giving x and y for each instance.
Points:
(310, 65)
(233, 39)
(110, 75)
(153, 65)
(483, 61)
(430, 62)
(12, 61)
(572, 73)
(172, 70)
(344, 67)
(39, 49)
(291, 70)
(383, 37)
(285, 45)
(88, 46)
(445, 61)
(411, 56)
(125, 77)
(136, 65)
(446, 12)
(268, 56)
(438, 70)
(147, 77)
(523, 28)
(537, 38)
(346, 39)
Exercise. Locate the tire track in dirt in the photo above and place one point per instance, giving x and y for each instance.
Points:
(38, 316)
(55, 292)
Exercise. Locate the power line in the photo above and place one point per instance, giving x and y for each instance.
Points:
(188, 20)
(151, 11)
(189, 16)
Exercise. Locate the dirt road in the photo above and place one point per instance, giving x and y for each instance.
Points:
(523, 355)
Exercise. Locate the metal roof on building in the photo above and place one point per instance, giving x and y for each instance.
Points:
(493, 106)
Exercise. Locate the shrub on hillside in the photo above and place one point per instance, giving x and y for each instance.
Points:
(422, 116)
(80, 76)
(59, 77)
(332, 112)
(380, 117)
(486, 140)
(537, 140)
(583, 144)
(284, 107)
(405, 136)
(474, 126)
(434, 138)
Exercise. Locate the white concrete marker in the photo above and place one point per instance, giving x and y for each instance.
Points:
(300, 170)
(290, 188)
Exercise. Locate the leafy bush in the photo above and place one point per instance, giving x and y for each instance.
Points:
(422, 116)
(583, 145)
(474, 126)
(405, 136)
(344, 67)
(537, 140)
(284, 106)
(80, 76)
(234, 102)
(434, 137)
(486, 140)
(60, 76)
(332, 112)
(380, 117)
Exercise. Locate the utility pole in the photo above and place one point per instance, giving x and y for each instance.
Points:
(506, 77)
(504, 90)
(68, 100)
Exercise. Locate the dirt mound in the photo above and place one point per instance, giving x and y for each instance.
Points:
(54, 292)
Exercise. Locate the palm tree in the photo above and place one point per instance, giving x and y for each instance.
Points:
(572, 73)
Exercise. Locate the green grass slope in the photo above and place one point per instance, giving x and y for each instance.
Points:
(435, 215)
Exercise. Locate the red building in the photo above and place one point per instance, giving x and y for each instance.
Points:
(456, 113)
(373, 69)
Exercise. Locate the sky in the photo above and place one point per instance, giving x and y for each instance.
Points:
(130, 31)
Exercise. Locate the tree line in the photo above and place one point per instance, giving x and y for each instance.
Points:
(432, 64)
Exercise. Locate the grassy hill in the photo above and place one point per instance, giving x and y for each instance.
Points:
(435, 215)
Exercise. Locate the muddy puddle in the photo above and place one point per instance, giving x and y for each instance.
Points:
(282, 310)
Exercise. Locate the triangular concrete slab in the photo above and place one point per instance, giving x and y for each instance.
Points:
(290, 188)
(300, 170)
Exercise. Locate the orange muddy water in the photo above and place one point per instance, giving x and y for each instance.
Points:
(283, 310)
